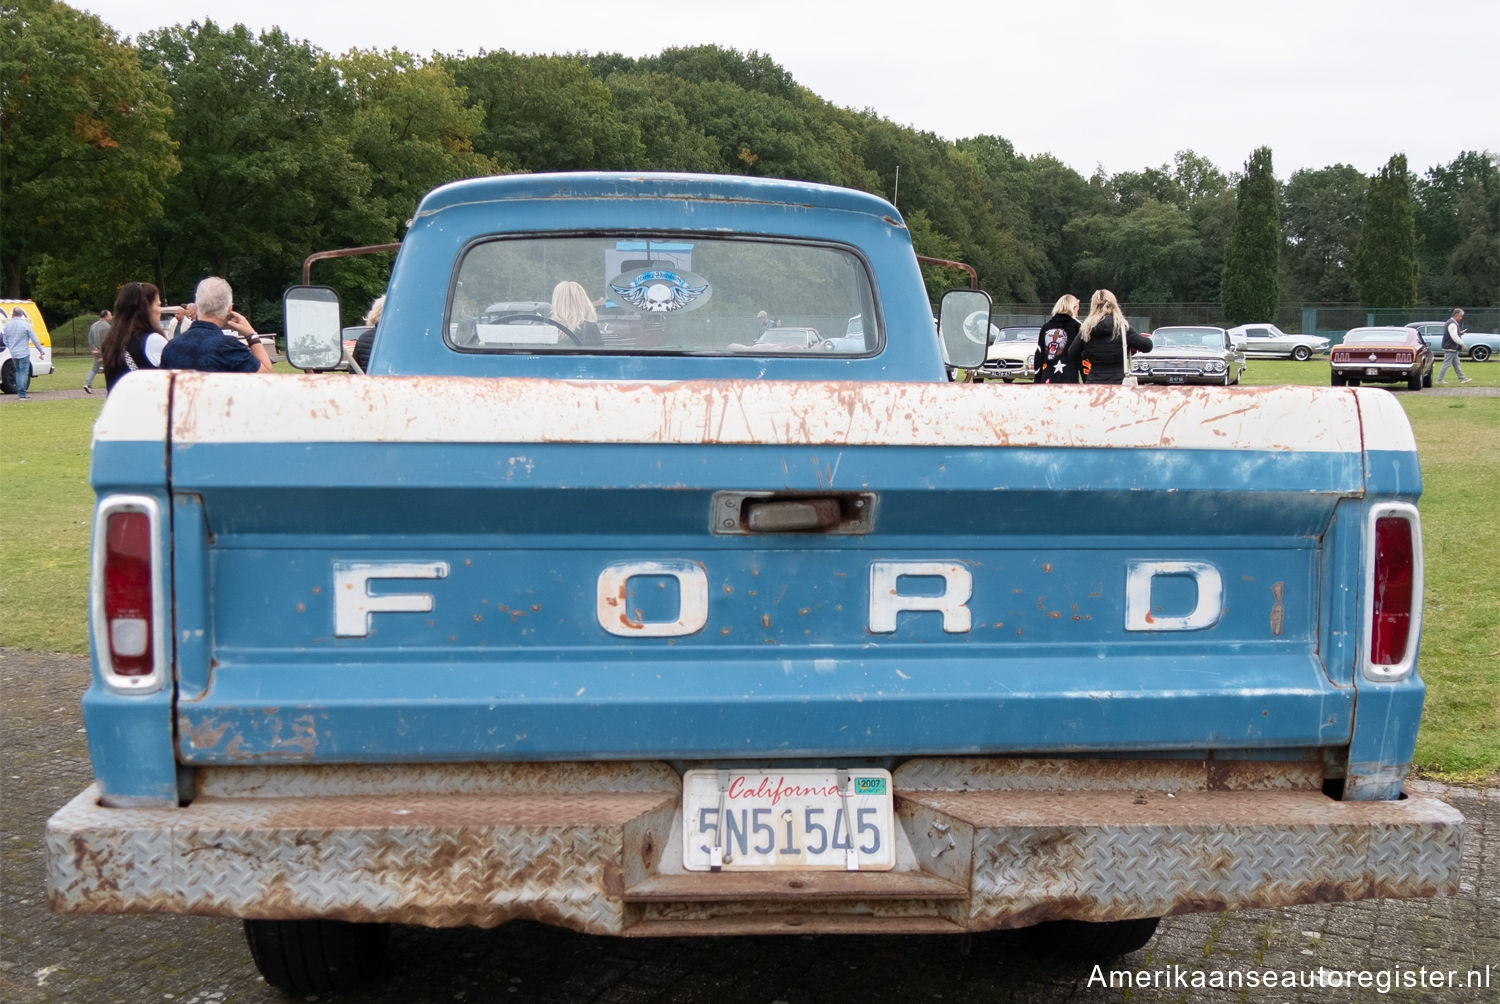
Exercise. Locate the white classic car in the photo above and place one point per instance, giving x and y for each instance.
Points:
(1267, 341)
(1011, 355)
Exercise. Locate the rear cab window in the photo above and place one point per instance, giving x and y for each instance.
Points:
(661, 294)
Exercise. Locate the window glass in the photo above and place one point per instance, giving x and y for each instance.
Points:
(653, 294)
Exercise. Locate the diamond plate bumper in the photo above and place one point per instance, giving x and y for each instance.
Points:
(596, 848)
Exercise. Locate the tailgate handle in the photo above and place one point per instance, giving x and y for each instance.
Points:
(766, 512)
(802, 514)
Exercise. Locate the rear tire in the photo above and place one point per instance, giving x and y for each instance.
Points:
(317, 956)
(1082, 940)
(1414, 382)
(1337, 379)
(1479, 353)
(8, 377)
(1302, 353)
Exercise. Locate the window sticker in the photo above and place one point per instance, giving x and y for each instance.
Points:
(661, 291)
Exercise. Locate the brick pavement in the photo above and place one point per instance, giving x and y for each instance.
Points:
(190, 960)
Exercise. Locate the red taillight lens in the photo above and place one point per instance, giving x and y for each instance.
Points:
(1393, 585)
(127, 593)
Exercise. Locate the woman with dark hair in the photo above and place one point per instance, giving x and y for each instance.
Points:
(135, 340)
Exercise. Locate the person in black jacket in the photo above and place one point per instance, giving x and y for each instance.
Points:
(1102, 339)
(1052, 342)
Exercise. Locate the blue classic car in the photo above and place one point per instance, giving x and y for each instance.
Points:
(1478, 345)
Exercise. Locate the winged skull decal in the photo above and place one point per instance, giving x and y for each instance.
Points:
(658, 291)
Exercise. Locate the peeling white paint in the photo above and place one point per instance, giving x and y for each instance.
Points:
(236, 408)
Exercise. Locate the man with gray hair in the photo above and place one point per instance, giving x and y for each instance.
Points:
(1453, 346)
(205, 346)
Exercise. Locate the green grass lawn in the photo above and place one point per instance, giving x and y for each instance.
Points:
(44, 560)
(44, 491)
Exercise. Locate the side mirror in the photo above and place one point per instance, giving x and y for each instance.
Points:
(313, 333)
(964, 326)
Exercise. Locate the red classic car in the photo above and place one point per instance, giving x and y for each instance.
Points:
(1385, 355)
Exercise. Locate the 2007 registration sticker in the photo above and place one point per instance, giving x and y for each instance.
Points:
(788, 819)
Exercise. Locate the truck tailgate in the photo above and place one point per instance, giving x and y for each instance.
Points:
(533, 569)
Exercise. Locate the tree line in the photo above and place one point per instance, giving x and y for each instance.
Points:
(200, 149)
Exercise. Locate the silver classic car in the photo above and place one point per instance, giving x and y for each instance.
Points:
(1195, 354)
(1267, 341)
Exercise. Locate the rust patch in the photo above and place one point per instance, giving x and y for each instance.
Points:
(205, 735)
(1278, 612)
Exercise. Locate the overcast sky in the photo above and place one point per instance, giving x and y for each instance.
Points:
(1123, 84)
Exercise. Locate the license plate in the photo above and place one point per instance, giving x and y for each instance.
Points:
(1372, 371)
(788, 819)
(1176, 378)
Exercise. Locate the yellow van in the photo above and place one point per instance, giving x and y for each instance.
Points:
(41, 362)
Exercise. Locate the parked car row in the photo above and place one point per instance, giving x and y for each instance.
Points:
(1204, 354)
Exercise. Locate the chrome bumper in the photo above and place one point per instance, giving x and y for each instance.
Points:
(597, 848)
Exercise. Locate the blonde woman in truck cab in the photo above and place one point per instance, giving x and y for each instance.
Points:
(571, 306)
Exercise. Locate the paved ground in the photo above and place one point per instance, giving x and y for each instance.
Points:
(188, 960)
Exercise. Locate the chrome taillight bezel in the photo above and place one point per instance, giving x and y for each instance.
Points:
(154, 680)
(1393, 672)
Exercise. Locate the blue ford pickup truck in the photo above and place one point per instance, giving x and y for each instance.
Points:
(629, 612)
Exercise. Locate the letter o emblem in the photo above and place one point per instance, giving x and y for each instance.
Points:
(613, 600)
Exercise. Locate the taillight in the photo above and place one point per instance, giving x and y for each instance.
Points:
(1395, 583)
(127, 592)
(127, 604)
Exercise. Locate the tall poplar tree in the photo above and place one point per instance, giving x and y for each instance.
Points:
(1251, 283)
(1385, 261)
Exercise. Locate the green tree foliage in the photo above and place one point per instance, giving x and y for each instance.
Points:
(648, 101)
(1059, 195)
(1154, 235)
(1146, 255)
(1250, 287)
(703, 64)
(285, 150)
(412, 125)
(546, 113)
(268, 172)
(1385, 259)
(1321, 215)
(86, 152)
(1457, 217)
